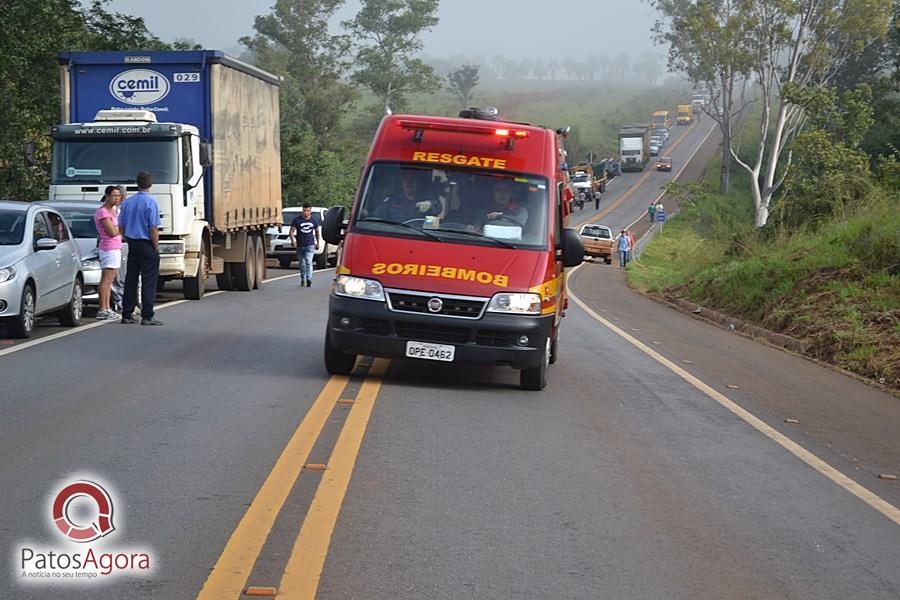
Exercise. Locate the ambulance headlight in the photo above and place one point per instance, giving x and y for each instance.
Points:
(520, 304)
(357, 287)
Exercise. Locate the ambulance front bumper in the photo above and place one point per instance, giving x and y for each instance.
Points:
(370, 328)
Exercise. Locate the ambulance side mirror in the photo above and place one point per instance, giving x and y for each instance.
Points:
(572, 248)
(333, 225)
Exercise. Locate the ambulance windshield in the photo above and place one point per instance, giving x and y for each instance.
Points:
(455, 205)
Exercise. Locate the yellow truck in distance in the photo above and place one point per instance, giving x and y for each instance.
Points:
(685, 114)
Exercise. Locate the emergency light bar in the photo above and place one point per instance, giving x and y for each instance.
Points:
(460, 128)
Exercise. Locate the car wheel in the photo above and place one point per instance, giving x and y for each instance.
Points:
(336, 361)
(321, 259)
(536, 379)
(284, 262)
(70, 316)
(22, 325)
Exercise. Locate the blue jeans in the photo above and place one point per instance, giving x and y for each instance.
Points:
(305, 256)
(623, 258)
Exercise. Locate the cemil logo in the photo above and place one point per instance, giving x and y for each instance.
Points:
(139, 87)
(83, 532)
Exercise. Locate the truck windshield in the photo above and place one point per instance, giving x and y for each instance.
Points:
(114, 161)
(581, 178)
(453, 204)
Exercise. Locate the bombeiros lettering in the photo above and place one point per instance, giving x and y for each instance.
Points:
(458, 273)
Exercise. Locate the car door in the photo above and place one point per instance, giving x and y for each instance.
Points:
(68, 260)
(41, 263)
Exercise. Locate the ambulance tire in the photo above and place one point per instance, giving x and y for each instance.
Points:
(337, 362)
(554, 348)
(536, 379)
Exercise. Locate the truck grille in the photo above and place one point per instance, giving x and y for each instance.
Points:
(452, 306)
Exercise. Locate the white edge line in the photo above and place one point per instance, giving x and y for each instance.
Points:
(873, 500)
(83, 328)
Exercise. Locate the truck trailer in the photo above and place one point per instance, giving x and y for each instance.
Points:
(205, 126)
(634, 146)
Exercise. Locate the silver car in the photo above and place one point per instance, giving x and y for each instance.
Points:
(40, 268)
(79, 216)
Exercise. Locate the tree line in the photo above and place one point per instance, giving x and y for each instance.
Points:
(821, 76)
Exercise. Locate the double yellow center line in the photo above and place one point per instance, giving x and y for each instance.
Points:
(304, 567)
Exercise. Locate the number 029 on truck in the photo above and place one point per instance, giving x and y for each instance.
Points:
(456, 247)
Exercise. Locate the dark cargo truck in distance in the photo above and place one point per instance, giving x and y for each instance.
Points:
(205, 126)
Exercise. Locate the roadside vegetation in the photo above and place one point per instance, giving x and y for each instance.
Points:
(826, 274)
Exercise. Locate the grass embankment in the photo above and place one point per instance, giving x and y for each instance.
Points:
(836, 287)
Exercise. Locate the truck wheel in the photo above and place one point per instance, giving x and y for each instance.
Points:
(284, 262)
(223, 279)
(245, 271)
(536, 379)
(321, 259)
(195, 287)
(22, 325)
(337, 362)
(70, 316)
(260, 262)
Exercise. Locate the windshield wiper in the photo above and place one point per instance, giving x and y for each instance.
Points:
(481, 236)
(387, 222)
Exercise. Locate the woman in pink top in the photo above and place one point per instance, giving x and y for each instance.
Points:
(106, 219)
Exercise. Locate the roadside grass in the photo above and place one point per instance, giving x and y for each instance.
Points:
(836, 286)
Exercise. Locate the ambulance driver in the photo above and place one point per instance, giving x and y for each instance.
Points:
(412, 201)
(503, 208)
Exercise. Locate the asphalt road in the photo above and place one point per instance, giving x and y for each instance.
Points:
(631, 476)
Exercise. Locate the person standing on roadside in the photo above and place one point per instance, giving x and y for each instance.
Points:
(106, 220)
(631, 245)
(651, 212)
(139, 223)
(623, 245)
(306, 227)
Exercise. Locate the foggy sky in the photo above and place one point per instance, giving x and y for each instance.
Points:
(513, 28)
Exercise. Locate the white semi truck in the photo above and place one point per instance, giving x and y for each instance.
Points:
(205, 126)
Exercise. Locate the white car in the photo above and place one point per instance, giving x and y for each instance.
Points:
(280, 240)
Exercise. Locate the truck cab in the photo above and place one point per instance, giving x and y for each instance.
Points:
(113, 148)
(456, 247)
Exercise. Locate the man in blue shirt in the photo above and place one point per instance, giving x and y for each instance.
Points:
(139, 224)
(306, 226)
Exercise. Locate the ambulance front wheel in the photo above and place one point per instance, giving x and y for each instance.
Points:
(536, 379)
(336, 361)
(554, 348)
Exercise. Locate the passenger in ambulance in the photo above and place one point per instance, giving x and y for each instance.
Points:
(503, 207)
(413, 201)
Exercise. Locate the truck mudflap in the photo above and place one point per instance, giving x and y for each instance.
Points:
(366, 327)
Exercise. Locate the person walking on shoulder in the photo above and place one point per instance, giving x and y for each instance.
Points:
(139, 223)
(106, 220)
(306, 227)
(623, 245)
(651, 212)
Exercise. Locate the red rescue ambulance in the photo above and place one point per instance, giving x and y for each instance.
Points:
(455, 248)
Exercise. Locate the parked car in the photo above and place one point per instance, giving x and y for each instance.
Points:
(598, 241)
(40, 268)
(79, 215)
(664, 163)
(280, 240)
